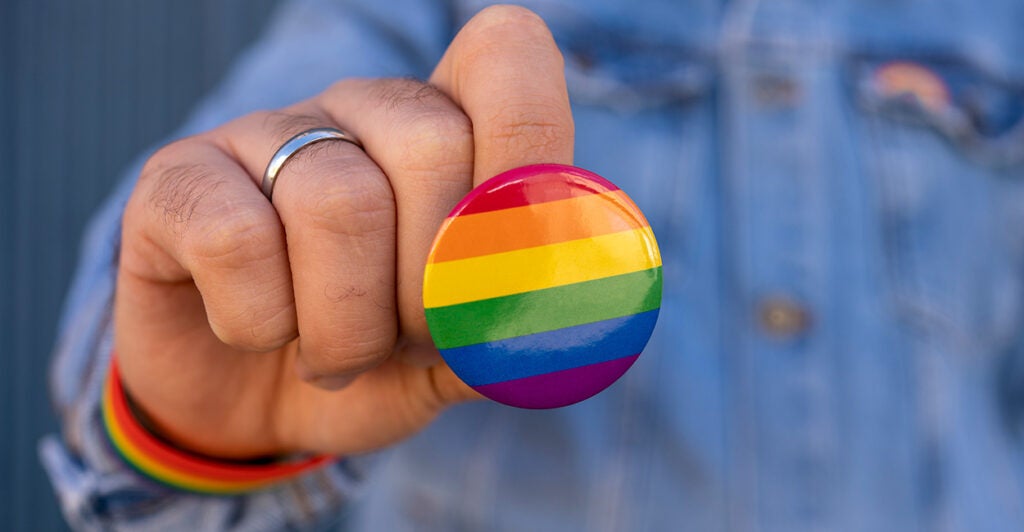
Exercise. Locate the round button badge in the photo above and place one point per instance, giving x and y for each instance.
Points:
(543, 286)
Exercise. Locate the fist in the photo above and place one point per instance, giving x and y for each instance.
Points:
(245, 327)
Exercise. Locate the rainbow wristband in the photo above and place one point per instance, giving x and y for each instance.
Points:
(179, 469)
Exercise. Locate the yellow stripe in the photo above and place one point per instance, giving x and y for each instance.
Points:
(525, 270)
(161, 472)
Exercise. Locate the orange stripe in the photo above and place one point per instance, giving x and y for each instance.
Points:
(534, 225)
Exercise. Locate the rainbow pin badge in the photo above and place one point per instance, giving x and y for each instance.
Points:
(543, 286)
(904, 79)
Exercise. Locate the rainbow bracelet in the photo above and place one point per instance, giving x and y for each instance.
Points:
(180, 469)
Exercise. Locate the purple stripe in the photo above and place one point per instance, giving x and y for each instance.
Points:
(558, 388)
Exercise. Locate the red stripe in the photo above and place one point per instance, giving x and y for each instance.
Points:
(548, 182)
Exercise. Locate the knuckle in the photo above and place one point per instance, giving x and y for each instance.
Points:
(437, 140)
(531, 129)
(407, 96)
(359, 203)
(427, 131)
(287, 123)
(343, 87)
(534, 132)
(353, 356)
(404, 93)
(390, 94)
(435, 134)
(269, 334)
(177, 189)
(167, 155)
(237, 236)
(256, 329)
(181, 192)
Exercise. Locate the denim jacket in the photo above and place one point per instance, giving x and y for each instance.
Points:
(838, 192)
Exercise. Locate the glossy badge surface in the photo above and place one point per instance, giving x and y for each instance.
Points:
(543, 286)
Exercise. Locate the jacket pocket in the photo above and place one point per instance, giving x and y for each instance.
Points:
(943, 146)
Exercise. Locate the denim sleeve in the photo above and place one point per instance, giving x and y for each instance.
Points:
(308, 45)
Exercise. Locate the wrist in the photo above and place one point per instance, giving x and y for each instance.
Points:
(170, 465)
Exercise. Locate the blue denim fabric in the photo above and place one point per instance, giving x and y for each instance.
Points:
(841, 343)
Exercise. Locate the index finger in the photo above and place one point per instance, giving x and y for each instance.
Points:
(505, 71)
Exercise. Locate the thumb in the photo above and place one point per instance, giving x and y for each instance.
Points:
(507, 74)
(446, 389)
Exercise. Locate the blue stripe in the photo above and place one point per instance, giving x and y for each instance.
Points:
(536, 354)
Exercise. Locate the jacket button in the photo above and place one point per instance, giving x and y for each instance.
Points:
(776, 91)
(782, 317)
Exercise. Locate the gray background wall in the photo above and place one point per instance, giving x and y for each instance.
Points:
(84, 85)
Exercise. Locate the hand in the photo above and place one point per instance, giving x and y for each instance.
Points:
(245, 328)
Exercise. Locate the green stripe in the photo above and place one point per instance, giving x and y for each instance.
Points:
(498, 318)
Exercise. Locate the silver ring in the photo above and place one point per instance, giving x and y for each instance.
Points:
(292, 147)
